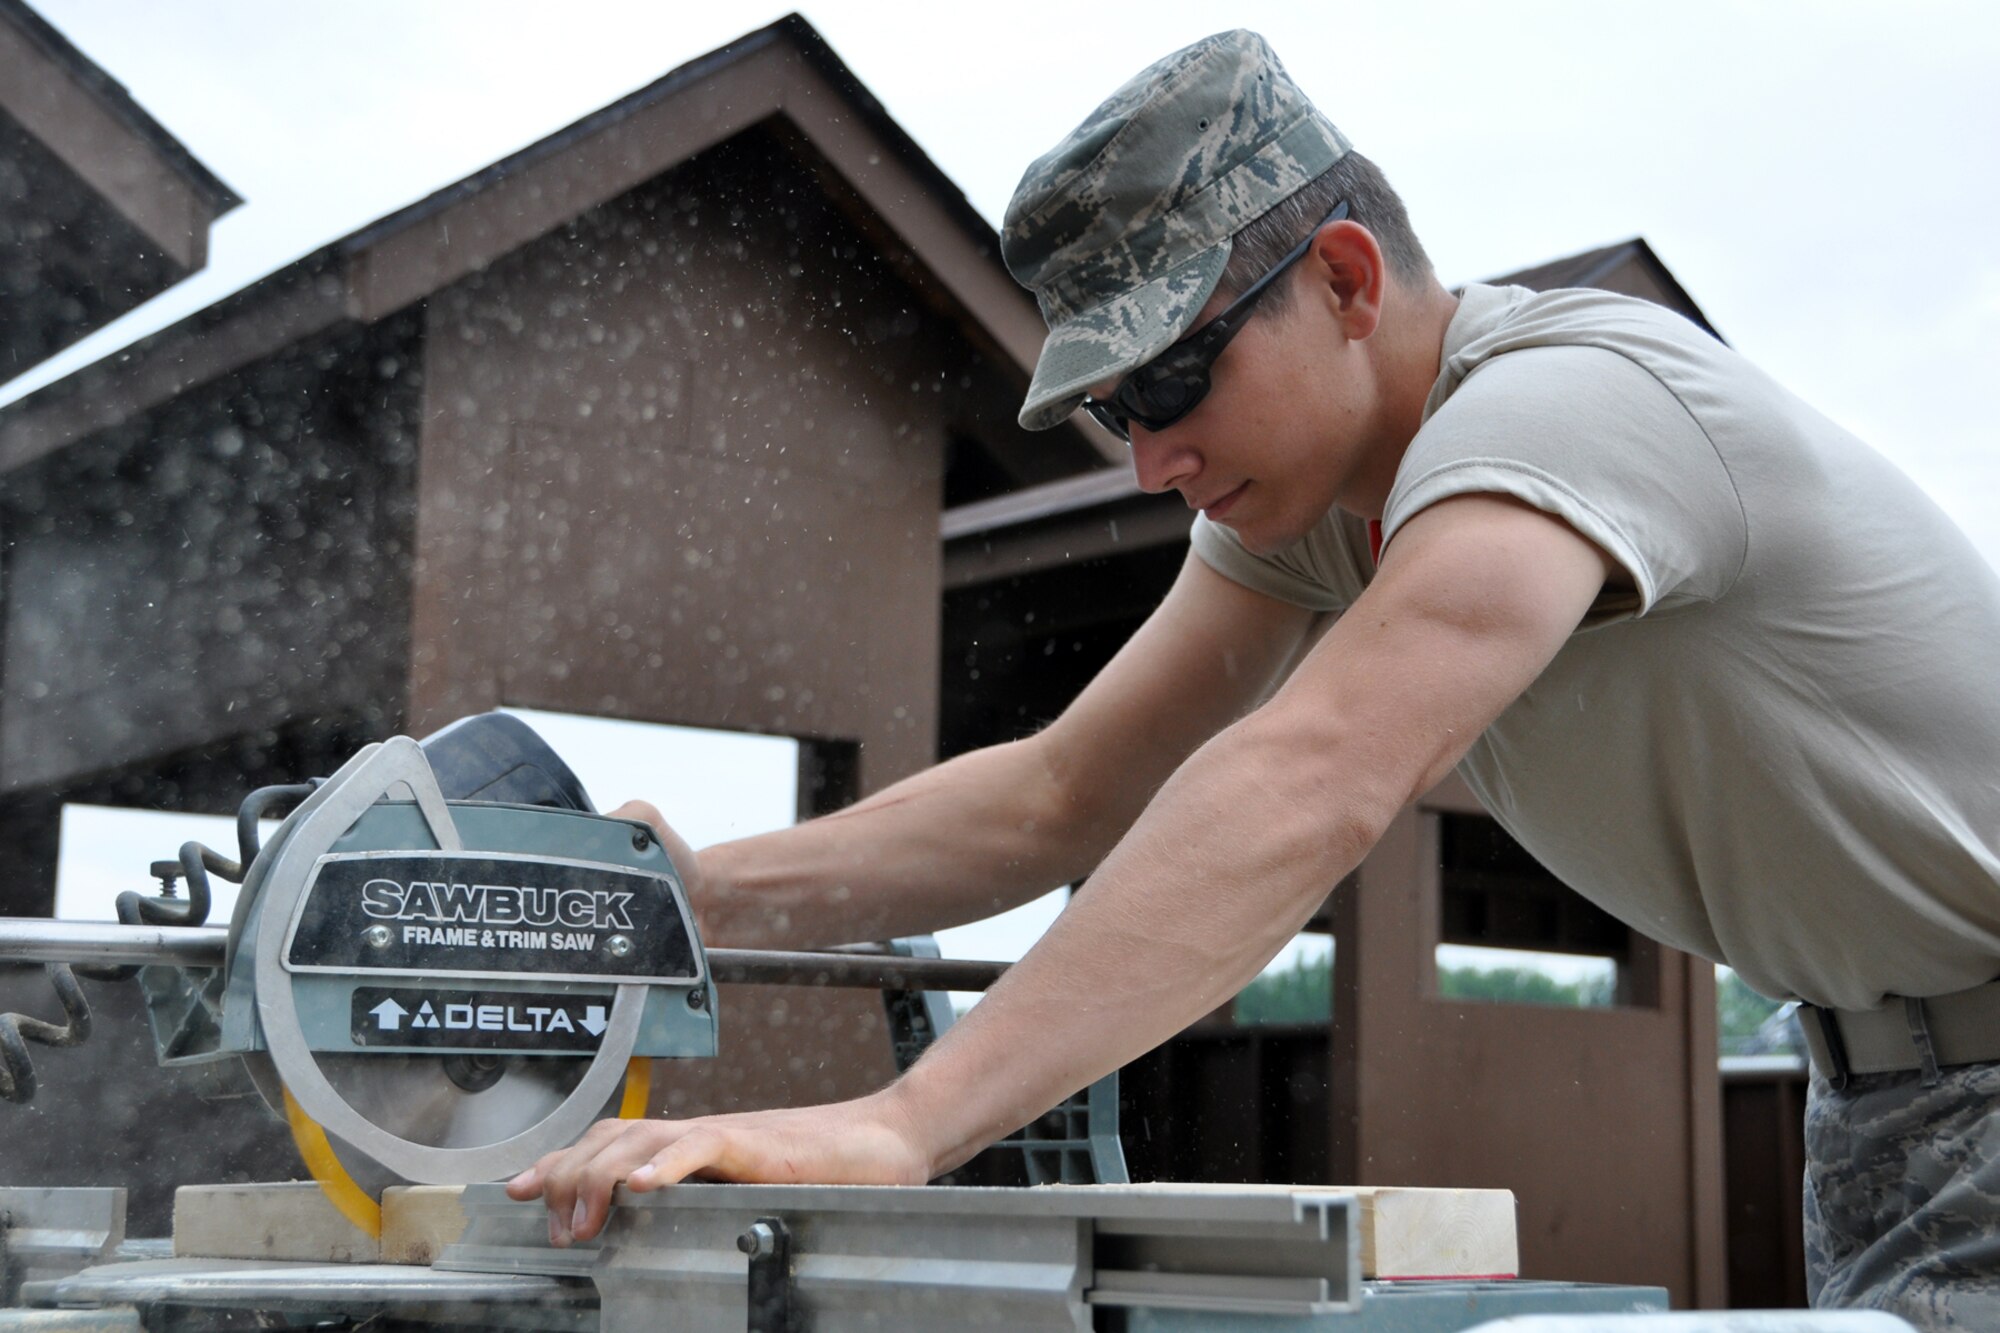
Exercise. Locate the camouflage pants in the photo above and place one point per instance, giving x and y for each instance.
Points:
(1902, 1196)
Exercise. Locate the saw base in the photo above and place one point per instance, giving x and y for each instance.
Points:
(1160, 1259)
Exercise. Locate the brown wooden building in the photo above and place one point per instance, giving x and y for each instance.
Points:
(654, 419)
(101, 208)
(701, 411)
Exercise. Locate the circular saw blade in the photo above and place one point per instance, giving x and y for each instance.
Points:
(415, 1097)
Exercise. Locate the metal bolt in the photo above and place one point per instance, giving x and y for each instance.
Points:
(641, 840)
(619, 945)
(378, 937)
(697, 998)
(758, 1240)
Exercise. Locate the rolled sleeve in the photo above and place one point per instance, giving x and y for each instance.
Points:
(1590, 437)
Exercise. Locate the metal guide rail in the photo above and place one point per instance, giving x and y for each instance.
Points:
(827, 1259)
(858, 967)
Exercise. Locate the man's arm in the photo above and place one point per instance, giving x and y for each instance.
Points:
(993, 828)
(1473, 598)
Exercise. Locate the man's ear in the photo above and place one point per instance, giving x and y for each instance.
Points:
(1347, 265)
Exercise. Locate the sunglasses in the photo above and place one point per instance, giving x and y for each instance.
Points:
(1172, 384)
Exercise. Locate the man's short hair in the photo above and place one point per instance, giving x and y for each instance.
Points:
(1371, 201)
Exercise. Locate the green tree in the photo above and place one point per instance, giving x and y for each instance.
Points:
(1741, 1015)
(1521, 985)
(1301, 993)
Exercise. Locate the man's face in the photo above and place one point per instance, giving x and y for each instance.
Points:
(1278, 440)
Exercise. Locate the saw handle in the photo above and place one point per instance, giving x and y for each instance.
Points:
(17, 1070)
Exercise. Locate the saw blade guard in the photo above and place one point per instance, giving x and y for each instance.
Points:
(456, 988)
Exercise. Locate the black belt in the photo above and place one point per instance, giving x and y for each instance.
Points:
(1930, 1034)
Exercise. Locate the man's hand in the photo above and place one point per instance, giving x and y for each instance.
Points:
(871, 1141)
(683, 856)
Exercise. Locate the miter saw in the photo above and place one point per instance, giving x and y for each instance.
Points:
(441, 966)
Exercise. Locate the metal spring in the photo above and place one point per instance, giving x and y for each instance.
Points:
(17, 1070)
(197, 862)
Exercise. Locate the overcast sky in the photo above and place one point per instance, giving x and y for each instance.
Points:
(1820, 176)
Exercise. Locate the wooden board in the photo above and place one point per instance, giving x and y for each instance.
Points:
(1406, 1232)
(418, 1221)
(276, 1220)
(1414, 1233)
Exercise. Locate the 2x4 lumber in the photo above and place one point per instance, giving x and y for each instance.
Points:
(419, 1221)
(1419, 1233)
(294, 1221)
(267, 1220)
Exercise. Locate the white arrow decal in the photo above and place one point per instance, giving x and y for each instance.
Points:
(594, 1021)
(388, 1015)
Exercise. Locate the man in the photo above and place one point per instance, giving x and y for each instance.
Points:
(1714, 662)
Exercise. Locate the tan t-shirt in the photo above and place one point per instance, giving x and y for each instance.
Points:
(1784, 752)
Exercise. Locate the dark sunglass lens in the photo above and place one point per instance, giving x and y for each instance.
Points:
(1167, 398)
(1170, 396)
(1170, 387)
(1109, 419)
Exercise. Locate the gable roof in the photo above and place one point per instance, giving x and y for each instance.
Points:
(1629, 268)
(112, 97)
(933, 236)
(101, 209)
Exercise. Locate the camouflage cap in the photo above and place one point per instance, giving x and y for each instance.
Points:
(1123, 229)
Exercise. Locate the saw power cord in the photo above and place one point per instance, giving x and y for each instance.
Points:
(17, 1070)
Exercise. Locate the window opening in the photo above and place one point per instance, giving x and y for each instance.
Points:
(1294, 987)
(103, 850)
(1509, 931)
